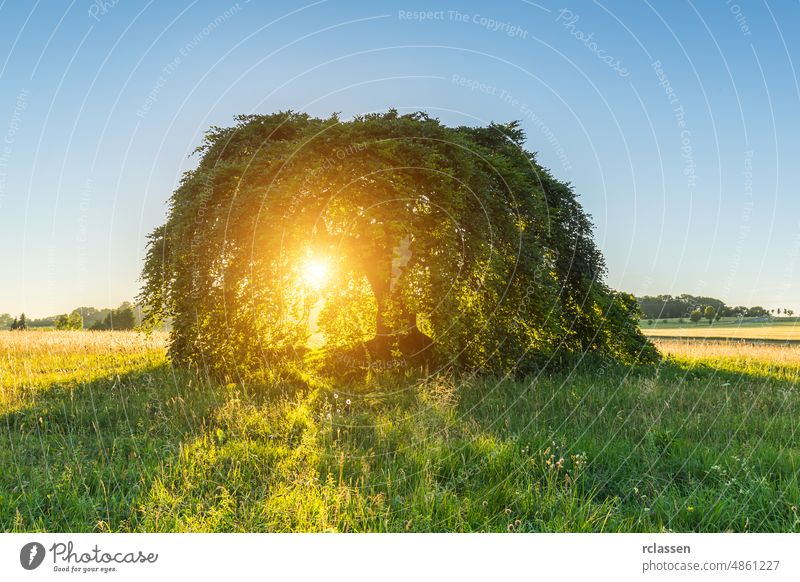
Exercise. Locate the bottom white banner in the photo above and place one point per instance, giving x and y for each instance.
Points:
(355, 557)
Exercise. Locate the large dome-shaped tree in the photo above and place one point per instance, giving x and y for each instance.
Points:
(389, 237)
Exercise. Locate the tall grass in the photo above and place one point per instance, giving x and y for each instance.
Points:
(99, 433)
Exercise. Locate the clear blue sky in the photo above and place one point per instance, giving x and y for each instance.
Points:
(689, 168)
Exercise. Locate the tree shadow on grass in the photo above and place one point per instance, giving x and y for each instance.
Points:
(81, 457)
(679, 447)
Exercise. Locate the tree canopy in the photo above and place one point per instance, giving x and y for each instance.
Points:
(385, 237)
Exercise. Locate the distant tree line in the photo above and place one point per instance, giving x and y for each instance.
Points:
(123, 317)
(18, 323)
(697, 308)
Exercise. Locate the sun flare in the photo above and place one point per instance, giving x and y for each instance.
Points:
(316, 273)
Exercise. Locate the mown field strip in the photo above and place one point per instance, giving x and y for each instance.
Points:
(766, 332)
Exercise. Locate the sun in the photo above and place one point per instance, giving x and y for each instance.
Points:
(316, 273)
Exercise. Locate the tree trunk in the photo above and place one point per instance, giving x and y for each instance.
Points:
(404, 335)
(376, 264)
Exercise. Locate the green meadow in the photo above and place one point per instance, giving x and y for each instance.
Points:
(98, 432)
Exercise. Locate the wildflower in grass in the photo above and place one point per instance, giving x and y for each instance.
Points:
(508, 511)
(347, 402)
(335, 396)
(485, 503)
(510, 527)
(578, 461)
(690, 508)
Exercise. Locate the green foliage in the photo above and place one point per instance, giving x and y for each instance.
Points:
(696, 316)
(122, 318)
(92, 315)
(501, 270)
(72, 321)
(709, 313)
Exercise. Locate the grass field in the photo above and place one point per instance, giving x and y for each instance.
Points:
(99, 433)
(784, 329)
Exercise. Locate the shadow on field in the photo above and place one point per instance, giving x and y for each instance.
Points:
(602, 448)
(676, 447)
(80, 457)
